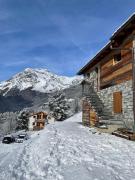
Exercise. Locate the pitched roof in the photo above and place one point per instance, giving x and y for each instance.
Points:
(125, 26)
(38, 113)
(95, 59)
(120, 32)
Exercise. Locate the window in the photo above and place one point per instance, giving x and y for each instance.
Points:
(39, 116)
(96, 70)
(88, 75)
(117, 58)
(33, 124)
(117, 102)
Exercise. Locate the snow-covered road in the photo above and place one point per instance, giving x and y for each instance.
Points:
(68, 151)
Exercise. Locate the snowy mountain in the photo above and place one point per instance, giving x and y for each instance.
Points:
(40, 80)
(32, 88)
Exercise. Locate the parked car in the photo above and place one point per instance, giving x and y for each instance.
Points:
(8, 139)
(21, 137)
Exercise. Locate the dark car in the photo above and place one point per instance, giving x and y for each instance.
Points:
(8, 139)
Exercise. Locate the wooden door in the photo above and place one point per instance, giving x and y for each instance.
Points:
(117, 102)
(92, 118)
(86, 112)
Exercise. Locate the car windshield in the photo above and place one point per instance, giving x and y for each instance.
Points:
(7, 138)
(22, 136)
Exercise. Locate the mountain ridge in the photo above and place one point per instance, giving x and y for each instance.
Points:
(32, 88)
(38, 79)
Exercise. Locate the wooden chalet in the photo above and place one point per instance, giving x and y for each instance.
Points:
(37, 121)
(109, 80)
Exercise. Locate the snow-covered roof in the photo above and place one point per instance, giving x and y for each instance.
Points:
(8, 136)
(124, 24)
(130, 22)
(36, 113)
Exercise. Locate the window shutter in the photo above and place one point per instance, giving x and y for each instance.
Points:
(117, 102)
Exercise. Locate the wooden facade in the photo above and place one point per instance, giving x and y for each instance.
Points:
(86, 113)
(111, 72)
(90, 117)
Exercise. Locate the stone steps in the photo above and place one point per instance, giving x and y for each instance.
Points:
(111, 121)
(97, 105)
(105, 117)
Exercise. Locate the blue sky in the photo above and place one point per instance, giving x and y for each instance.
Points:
(60, 35)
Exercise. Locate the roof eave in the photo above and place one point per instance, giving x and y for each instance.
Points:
(106, 47)
(123, 26)
(115, 35)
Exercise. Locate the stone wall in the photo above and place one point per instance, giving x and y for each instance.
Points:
(106, 95)
(93, 79)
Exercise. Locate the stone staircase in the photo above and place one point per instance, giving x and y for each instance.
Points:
(98, 106)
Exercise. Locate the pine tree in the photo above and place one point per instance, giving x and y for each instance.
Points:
(22, 120)
(59, 106)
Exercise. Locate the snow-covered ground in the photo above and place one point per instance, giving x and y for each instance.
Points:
(68, 151)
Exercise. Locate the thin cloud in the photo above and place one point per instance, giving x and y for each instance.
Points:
(13, 64)
(59, 35)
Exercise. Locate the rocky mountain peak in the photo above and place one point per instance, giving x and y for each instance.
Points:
(40, 80)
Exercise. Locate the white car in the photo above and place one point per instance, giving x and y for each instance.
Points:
(21, 137)
(18, 140)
